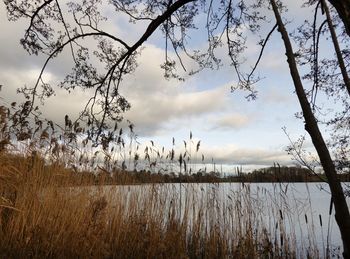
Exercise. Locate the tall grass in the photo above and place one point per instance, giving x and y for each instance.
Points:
(41, 216)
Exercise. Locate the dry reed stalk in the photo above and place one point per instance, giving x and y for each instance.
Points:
(55, 220)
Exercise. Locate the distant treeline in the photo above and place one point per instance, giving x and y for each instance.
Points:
(270, 174)
(285, 174)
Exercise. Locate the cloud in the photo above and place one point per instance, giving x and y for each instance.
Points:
(234, 155)
(232, 121)
(157, 102)
(152, 113)
(231, 154)
(227, 154)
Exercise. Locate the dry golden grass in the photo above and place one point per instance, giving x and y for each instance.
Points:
(41, 217)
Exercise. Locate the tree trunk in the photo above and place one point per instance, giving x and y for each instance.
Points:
(342, 215)
(343, 9)
(337, 47)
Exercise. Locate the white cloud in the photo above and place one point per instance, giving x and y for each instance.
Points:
(234, 155)
(232, 121)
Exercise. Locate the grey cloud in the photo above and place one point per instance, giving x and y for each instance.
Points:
(155, 112)
(155, 101)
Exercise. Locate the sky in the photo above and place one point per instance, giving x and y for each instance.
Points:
(232, 130)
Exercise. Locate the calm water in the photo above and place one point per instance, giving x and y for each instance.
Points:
(301, 210)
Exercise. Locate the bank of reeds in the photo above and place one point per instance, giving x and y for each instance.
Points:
(41, 217)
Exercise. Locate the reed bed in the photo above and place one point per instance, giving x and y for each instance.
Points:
(42, 215)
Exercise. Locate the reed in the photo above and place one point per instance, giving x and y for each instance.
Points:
(42, 215)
